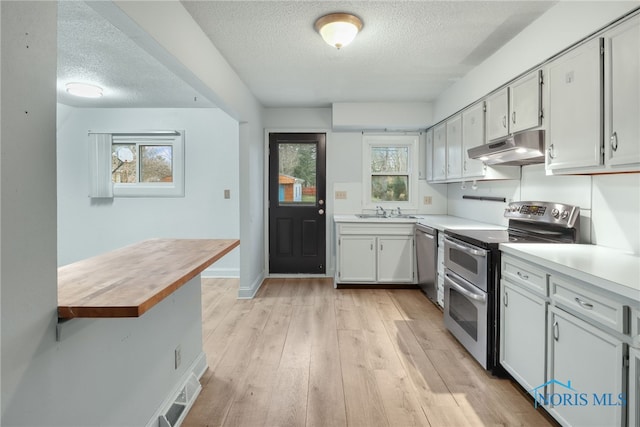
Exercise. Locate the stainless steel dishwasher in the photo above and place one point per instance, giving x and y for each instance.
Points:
(426, 253)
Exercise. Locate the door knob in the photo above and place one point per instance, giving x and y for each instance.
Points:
(321, 211)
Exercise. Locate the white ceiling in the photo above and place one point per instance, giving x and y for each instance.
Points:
(407, 51)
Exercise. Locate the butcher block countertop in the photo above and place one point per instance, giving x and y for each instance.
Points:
(129, 281)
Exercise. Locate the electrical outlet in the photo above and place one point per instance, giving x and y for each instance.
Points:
(227, 194)
(427, 200)
(341, 195)
(177, 357)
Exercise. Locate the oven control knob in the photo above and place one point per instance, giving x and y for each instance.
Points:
(555, 213)
(565, 215)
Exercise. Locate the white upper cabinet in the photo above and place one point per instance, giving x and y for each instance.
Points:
(440, 152)
(429, 154)
(622, 90)
(525, 102)
(473, 135)
(454, 147)
(515, 108)
(497, 112)
(574, 115)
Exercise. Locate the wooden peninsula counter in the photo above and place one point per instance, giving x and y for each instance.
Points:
(129, 281)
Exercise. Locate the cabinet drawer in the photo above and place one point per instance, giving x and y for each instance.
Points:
(593, 306)
(525, 274)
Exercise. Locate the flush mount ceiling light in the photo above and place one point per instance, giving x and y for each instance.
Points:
(84, 90)
(338, 29)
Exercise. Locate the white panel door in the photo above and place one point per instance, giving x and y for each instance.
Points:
(523, 335)
(429, 154)
(472, 136)
(440, 152)
(395, 259)
(592, 361)
(525, 102)
(574, 135)
(357, 259)
(454, 147)
(623, 50)
(497, 110)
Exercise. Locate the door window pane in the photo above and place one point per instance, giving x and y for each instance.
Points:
(156, 163)
(297, 173)
(389, 188)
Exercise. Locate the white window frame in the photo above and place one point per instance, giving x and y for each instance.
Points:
(408, 141)
(147, 189)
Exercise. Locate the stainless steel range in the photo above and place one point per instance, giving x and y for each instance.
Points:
(472, 271)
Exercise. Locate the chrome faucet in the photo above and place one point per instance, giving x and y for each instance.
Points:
(380, 211)
(399, 211)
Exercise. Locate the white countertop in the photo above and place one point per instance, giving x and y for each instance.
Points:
(614, 270)
(440, 222)
(443, 222)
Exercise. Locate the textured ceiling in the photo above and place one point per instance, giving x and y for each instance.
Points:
(407, 50)
(92, 50)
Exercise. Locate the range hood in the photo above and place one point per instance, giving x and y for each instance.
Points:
(525, 148)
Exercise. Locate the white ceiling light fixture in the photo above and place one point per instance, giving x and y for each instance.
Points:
(338, 29)
(84, 90)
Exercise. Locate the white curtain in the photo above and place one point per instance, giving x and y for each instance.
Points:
(100, 184)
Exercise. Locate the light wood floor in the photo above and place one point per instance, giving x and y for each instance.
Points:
(305, 354)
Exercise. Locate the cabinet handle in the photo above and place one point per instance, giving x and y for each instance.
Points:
(556, 331)
(550, 153)
(614, 141)
(506, 299)
(513, 117)
(381, 246)
(372, 246)
(584, 304)
(522, 276)
(504, 122)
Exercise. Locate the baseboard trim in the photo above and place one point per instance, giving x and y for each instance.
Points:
(249, 293)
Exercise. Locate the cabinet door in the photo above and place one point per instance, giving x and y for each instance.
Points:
(396, 259)
(472, 136)
(497, 110)
(623, 62)
(357, 258)
(592, 361)
(634, 387)
(522, 335)
(525, 102)
(454, 147)
(429, 154)
(574, 134)
(440, 152)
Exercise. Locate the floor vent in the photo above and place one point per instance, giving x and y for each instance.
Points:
(179, 408)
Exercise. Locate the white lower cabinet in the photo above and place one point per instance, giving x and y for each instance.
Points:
(357, 259)
(395, 259)
(585, 373)
(634, 387)
(373, 253)
(523, 334)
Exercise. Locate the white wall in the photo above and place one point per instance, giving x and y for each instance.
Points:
(167, 31)
(87, 227)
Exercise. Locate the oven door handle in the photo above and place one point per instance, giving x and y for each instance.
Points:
(466, 249)
(481, 297)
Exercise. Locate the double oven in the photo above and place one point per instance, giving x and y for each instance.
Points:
(472, 271)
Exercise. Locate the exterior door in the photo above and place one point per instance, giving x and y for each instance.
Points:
(297, 225)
